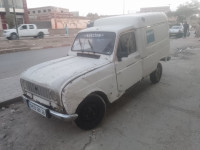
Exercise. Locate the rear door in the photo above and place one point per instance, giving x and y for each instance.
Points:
(32, 30)
(128, 69)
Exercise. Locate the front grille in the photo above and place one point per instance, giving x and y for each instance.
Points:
(36, 89)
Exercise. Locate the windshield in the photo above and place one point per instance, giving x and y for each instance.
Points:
(96, 42)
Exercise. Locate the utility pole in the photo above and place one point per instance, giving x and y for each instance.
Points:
(15, 18)
(123, 7)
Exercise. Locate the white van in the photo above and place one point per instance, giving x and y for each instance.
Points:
(104, 61)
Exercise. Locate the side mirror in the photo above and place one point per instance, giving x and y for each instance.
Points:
(121, 54)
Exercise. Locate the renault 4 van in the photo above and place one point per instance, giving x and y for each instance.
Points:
(104, 61)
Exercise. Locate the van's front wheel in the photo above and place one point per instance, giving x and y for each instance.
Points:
(156, 75)
(90, 112)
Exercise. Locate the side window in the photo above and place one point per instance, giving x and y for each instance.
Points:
(132, 43)
(150, 36)
(127, 43)
(31, 27)
(24, 27)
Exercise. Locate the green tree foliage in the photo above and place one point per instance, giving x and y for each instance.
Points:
(92, 16)
(188, 9)
(10, 20)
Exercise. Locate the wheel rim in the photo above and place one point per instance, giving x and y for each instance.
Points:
(158, 72)
(40, 35)
(14, 36)
(89, 113)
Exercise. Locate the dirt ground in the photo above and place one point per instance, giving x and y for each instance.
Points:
(165, 116)
(50, 41)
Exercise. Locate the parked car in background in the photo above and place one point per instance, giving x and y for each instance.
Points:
(176, 31)
(25, 30)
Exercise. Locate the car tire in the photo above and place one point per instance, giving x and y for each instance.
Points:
(40, 35)
(156, 75)
(13, 36)
(8, 38)
(90, 112)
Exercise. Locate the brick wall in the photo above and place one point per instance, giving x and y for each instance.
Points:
(72, 32)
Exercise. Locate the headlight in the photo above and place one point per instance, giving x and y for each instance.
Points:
(53, 95)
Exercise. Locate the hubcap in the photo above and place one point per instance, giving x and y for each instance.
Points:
(158, 73)
(89, 113)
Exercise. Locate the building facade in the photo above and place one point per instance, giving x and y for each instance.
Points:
(6, 7)
(56, 18)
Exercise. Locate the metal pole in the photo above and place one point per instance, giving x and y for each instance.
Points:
(15, 18)
(123, 6)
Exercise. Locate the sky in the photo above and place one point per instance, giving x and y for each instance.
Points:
(105, 7)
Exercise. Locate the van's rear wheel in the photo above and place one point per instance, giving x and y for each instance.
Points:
(90, 112)
(156, 75)
(41, 35)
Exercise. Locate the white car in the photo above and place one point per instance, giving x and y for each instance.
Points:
(176, 31)
(25, 30)
(104, 61)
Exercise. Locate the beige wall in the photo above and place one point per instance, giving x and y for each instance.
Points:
(72, 23)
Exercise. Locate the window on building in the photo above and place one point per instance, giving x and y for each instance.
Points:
(33, 12)
(49, 10)
(17, 3)
(44, 10)
(39, 11)
(61, 11)
(31, 27)
(28, 12)
(127, 43)
(150, 36)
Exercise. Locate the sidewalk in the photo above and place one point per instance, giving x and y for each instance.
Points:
(29, 43)
(9, 90)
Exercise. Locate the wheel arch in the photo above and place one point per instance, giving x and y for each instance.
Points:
(12, 33)
(103, 95)
(99, 93)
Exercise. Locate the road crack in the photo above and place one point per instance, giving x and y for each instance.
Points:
(92, 138)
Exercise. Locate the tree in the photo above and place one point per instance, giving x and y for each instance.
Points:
(188, 9)
(10, 20)
(93, 16)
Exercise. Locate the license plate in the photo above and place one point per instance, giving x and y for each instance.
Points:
(41, 110)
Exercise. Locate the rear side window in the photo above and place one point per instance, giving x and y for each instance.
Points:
(31, 27)
(150, 36)
(127, 43)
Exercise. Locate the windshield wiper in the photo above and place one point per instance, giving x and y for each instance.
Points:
(90, 45)
(79, 40)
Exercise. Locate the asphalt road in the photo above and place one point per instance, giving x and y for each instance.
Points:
(13, 64)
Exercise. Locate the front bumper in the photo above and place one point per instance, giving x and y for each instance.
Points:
(6, 35)
(175, 33)
(51, 112)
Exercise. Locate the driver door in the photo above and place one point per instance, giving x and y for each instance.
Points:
(23, 31)
(129, 67)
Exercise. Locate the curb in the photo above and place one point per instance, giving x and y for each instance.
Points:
(11, 101)
(13, 50)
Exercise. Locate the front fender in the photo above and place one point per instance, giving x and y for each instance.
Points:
(102, 80)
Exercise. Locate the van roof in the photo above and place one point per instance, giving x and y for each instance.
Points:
(118, 23)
